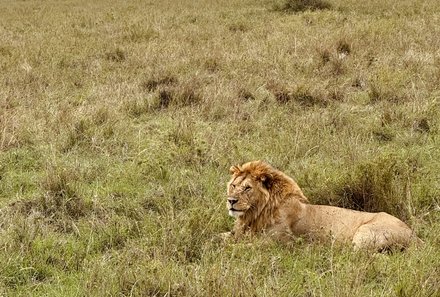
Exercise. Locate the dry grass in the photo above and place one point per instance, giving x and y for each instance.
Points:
(118, 122)
(302, 5)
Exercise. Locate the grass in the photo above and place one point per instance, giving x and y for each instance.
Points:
(119, 121)
(302, 5)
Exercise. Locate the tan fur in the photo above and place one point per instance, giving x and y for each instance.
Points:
(265, 200)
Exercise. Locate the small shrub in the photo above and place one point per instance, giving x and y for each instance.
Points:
(302, 5)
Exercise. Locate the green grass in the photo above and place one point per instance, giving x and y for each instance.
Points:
(119, 121)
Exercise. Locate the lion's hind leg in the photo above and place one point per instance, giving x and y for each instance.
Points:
(368, 238)
(380, 238)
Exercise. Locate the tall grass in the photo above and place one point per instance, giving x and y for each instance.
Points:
(118, 122)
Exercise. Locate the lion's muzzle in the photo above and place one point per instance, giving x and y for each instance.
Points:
(233, 212)
(232, 201)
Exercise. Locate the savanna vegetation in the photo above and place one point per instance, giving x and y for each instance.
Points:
(119, 121)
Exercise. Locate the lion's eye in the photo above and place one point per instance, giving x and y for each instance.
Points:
(232, 186)
(247, 188)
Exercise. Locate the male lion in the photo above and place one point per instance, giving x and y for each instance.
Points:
(263, 199)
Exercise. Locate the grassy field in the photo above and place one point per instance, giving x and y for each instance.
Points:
(119, 121)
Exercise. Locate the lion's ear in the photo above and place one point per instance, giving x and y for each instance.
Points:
(266, 179)
(234, 169)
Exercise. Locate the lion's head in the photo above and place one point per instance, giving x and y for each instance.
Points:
(255, 185)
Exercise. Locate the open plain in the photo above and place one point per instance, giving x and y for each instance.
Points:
(119, 121)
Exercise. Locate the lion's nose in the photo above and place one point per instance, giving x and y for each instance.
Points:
(232, 201)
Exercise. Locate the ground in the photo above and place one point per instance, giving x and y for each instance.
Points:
(119, 121)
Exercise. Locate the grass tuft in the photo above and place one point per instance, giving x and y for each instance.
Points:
(152, 84)
(245, 95)
(421, 125)
(280, 92)
(165, 97)
(302, 5)
(138, 33)
(61, 200)
(343, 47)
(374, 186)
(325, 55)
(306, 98)
(117, 55)
(212, 65)
(238, 27)
(388, 86)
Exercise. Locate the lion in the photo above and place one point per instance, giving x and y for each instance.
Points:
(265, 200)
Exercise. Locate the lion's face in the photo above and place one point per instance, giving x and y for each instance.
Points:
(245, 193)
